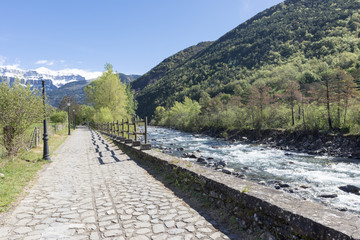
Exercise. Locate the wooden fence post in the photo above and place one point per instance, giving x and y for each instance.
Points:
(146, 122)
(128, 128)
(135, 129)
(122, 127)
(117, 127)
(112, 128)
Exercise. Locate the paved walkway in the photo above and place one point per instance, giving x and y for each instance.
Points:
(94, 191)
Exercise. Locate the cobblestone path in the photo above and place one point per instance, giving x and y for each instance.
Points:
(94, 191)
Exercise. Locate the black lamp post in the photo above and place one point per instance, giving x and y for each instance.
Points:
(68, 104)
(46, 154)
(74, 117)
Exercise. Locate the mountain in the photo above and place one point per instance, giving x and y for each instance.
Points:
(68, 82)
(75, 89)
(128, 78)
(294, 31)
(168, 65)
(54, 79)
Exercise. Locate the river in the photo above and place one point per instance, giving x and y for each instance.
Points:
(309, 176)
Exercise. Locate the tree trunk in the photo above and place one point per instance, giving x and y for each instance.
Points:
(303, 111)
(9, 135)
(292, 114)
(345, 109)
(328, 103)
(338, 109)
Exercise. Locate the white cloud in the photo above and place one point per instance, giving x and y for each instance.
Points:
(86, 74)
(2, 60)
(45, 62)
(13, 66)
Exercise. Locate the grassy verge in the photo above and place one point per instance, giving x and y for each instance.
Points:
(22, 169)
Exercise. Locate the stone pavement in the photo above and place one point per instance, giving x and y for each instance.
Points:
(92, 190)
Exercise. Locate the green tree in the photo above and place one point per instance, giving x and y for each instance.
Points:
(258, 100)
(59, 117)
(86, 114)
(291, 96)
(159, 115)
(326, 90)
(184, 115)
(19, 108)
(64, 103)
(344, 89)
(131, 103)
(108, 92)
(103, 115)
(74, 107)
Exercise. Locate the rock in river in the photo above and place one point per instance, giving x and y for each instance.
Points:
(350, 189)
(194, 155)
(201, 160)
(328, 195)
(227, 170)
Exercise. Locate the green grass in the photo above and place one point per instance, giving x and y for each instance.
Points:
(22, 169)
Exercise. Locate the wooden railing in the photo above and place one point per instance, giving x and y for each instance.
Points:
(35, 138)
(126, 131)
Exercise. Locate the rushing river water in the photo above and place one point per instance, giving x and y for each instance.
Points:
(308, 176)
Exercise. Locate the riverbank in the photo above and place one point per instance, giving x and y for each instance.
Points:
(314, 143)
(246, 204)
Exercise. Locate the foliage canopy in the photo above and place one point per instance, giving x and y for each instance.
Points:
(19, 108)
(111, 99)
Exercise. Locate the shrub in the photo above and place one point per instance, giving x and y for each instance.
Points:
(59, 117)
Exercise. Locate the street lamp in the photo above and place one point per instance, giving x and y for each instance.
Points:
(46, 154)
(68, 104)
(74, 117)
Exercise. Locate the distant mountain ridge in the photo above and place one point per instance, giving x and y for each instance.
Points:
(128, 78)
(68, 82)
(57, 78)
(292, 31)
(76, 89)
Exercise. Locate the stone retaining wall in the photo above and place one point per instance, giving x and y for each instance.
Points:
(252, 205)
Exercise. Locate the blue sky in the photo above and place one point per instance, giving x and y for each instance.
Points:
(132, 35)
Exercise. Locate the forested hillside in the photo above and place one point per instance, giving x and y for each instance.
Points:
(297, 40)
(168, 65)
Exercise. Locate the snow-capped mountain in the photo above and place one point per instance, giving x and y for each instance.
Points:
(53, 79)
(68, 82)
